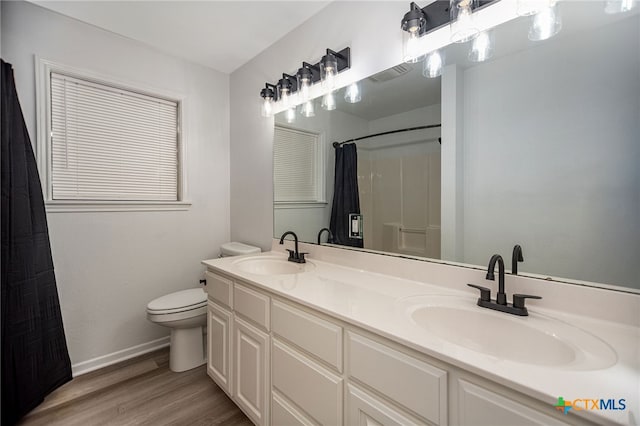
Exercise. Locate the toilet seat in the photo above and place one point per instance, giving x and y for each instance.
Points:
(183, 301)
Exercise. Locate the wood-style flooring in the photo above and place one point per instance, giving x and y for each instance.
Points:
(140, 391)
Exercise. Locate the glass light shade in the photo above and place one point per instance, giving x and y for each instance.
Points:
(412, 51)
(482, 47)
(290, 115)
(433, 64)
(619, 6)
(307, 109)
(545, 24)
(304, 86)
(329, 101)
(463, 26)
(531, 7)
(267, 107)
(328, 71)
(352, 93)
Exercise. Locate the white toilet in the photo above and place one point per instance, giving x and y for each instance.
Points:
(185, 313)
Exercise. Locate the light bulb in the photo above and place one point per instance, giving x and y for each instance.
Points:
(352, 94)
(545, 24)
(463, 27)
(619, 6)
(308, 109)
(482, 47)
(329, 101)
(284, 97)
(412, 46)
(433, 65)
(290, 115)
(267, 107)
(305, 88)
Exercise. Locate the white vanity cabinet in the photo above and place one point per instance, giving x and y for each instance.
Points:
(288, 364)
(238, 344)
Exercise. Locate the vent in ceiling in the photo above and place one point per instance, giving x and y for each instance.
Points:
(391, 73)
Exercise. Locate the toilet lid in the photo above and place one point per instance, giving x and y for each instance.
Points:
(179, 301)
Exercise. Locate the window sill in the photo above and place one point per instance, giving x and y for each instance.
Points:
(67, 206)
(299, 205)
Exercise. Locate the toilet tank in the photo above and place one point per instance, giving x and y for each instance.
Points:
(237, 249)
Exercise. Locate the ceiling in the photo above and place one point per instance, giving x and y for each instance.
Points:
(222, 35)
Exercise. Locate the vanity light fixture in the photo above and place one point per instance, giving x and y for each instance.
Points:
(546, 23)
(307, 75)
(433, 63)
(268, 95)
(619, 6)
(463, 27)
(482, 47)
(292, 90)
(287, 85)
(352, 93)
(420, 21)
(413, 24)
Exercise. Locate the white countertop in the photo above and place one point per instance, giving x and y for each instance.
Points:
(377, 302)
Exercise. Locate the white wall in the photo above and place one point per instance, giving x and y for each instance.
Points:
(573, 179)
(110, 265)
(371, 29)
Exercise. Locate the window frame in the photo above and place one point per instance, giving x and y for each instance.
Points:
(321, 173)
(44, 68)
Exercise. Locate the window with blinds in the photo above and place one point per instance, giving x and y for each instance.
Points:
(297, 168)
(111, 144)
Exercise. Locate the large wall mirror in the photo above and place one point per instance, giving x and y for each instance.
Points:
(538, 145)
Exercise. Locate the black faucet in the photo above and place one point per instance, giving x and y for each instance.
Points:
(501, 297)
(500, 304)
(515, 258)
(294, 256)
(330, 239)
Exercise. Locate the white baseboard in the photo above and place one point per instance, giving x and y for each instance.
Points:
(119, 356)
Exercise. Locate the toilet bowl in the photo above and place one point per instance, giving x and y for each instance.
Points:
(185, 313)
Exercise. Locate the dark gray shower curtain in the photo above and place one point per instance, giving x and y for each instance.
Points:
(35, 360)
(346, 199)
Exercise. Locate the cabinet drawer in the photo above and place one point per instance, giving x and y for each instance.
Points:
(308, 385)
(412, 383)
(251, 305)
(480, 406)
(321, 338)
(219, 289)
(283, 414)
(365, 409)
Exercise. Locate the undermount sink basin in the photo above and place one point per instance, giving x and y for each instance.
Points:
(263, 265)
(535, 340)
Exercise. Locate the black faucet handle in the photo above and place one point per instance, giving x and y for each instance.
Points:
(301, 257)
(518, 299)
(485, 293)
(292, 254)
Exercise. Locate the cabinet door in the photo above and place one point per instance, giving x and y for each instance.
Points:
(363, 409)
(480, 406)
(251, 360)
(219, 347)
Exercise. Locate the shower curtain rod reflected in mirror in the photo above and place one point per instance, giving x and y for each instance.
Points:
(430, 126)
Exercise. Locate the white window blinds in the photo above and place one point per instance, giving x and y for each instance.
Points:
(295, 158)
(111, 144)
